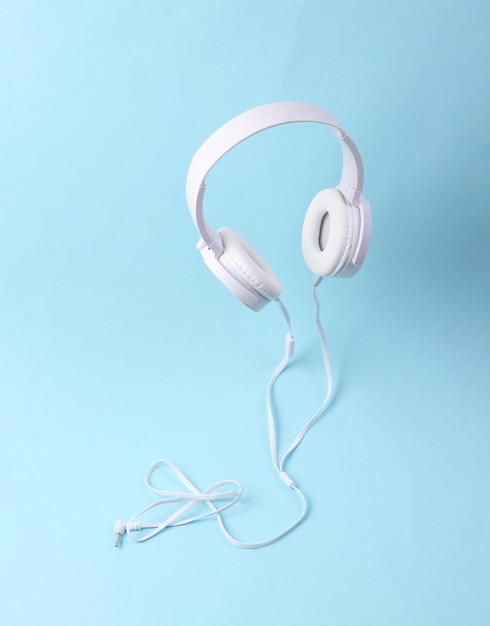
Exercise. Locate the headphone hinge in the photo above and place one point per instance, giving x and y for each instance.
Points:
(215, 246)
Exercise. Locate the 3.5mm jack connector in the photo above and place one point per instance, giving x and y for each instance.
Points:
(119, 530)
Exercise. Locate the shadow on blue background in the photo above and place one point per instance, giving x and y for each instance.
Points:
(118, 347)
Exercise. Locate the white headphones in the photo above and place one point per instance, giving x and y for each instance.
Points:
(336, 234)
(337, 225)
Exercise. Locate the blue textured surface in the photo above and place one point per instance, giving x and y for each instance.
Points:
(118, 347)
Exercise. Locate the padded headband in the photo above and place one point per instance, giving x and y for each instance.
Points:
(250, 123)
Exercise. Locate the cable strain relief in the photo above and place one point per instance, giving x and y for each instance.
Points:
(286, 478)
(289, 346)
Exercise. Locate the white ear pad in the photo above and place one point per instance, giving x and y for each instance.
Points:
(242, 258)
(326, 253)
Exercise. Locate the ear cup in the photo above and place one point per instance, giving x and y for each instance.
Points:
(327, 233)
(241, 257)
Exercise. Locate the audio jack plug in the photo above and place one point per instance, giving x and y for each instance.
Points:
(119, 530)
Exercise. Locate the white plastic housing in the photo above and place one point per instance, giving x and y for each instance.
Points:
(238, 286)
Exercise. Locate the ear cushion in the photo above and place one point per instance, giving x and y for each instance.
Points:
(329, 259)
(249, 264)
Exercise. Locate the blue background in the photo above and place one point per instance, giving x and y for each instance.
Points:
(117, 346)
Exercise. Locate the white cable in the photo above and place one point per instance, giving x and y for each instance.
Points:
(211, 494)
(328, 370)
(191, 499)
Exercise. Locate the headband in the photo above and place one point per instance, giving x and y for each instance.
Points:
(250, 123)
